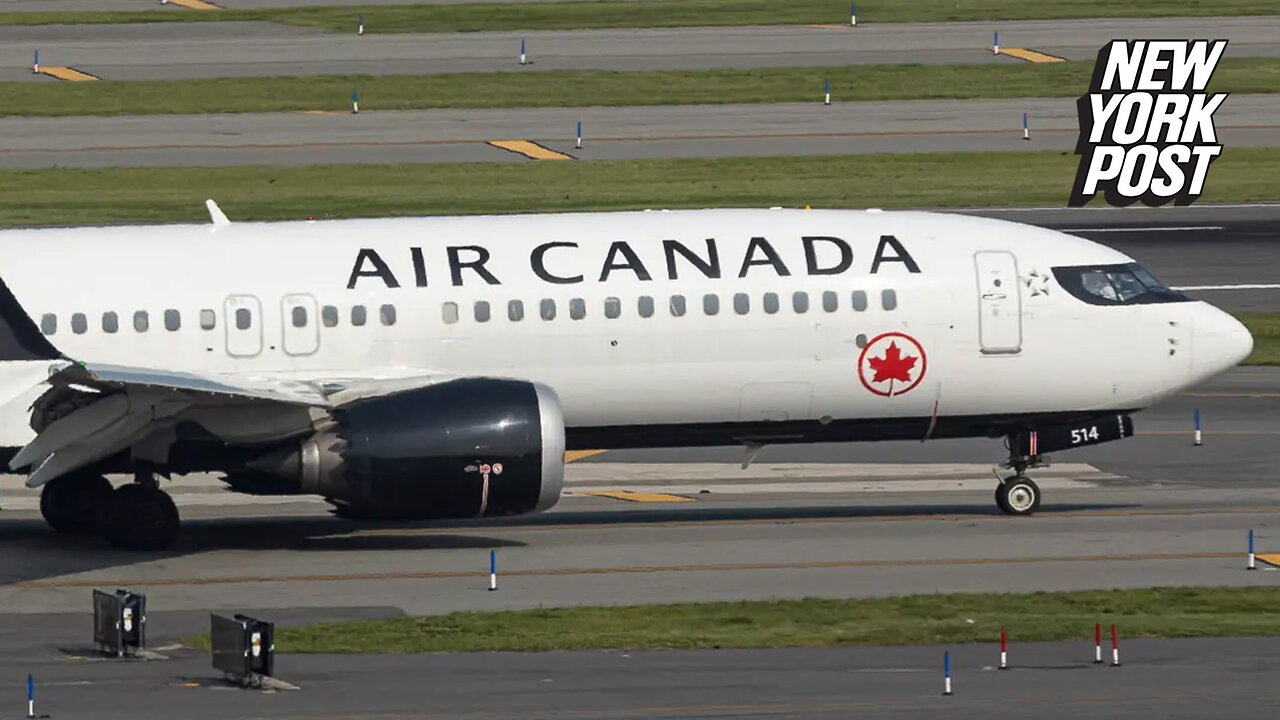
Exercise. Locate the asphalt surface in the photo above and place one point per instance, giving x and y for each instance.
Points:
(301, 138)
(155, 6)
(1191, 679)
(191, 50)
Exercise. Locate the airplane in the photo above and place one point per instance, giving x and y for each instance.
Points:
(429, 368)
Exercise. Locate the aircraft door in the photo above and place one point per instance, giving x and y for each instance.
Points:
(301, 324)
(999, 302)
(242, 317)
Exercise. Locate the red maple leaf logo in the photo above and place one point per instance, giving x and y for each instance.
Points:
(893, 366)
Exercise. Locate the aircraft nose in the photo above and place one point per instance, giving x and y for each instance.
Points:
(1221, 342)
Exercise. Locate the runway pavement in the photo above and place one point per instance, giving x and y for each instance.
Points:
(300, 138)
(191, 50)
(155, 6)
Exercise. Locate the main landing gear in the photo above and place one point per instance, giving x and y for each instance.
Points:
(1018, 494)
(137, 516)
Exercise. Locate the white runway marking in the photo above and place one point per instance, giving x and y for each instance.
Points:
(1175, 228)
(1257, 286)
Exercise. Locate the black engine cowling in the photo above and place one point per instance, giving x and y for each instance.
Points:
(472, 447)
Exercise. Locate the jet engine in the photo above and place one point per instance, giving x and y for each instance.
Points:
(472, 447)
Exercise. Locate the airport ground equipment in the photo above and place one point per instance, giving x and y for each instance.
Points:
(243, 648)
(119, 622)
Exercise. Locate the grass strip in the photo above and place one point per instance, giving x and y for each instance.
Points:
(66, 196)
(665, 13)
(1266, 337)
(908, 620)
(580, 88)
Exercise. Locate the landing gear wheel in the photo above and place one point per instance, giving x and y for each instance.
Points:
(1018, 495)
(141, 518)
(75, 503)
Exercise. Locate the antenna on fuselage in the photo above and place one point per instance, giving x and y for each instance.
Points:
(218, 217)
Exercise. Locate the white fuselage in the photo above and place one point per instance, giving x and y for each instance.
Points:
(977, 296)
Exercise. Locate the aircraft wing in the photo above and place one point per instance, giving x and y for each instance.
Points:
(91, 412)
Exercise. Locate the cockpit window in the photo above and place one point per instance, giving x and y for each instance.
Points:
(1129, 284)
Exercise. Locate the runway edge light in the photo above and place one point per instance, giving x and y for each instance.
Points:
(1097, 643)
(1004, 647)
(995, 43)
(853, 15)
(578, 145)
(1115, 647)
(524, 59)
(355, 101)
(1196, 422)
(826, 90)
(35, 62)
(360, 27)
(946, 673)
(1026, 129)
(493, 570)
(1251, 565)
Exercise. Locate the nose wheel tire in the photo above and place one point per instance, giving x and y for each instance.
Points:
(1018, 495)
(141, 518)
(75, 503)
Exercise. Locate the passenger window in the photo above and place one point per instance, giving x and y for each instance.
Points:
(859, 300)
(612, 307)
(677, 305)
(547, 309)
(358, 315)
(771, 303)
(515, 311)
(298, 316)
(79, 323)
(387, 314)
(328, 316)
(243, 319)
(209, 318)
(172, 320)
(110, 322)
(741, 303)
(888, 299)
(48, 323)
(711, 304)
(449, 311)
(141, 321)
(645, 306)
(577, 308)
(800, 302)
(482, 311)
(830, 301)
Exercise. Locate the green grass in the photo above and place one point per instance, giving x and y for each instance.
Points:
(577, 88)
(909, 620)
(1266, 337)
(670, 13)
(119, 195)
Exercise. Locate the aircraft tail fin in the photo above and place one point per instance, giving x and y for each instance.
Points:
(20, 339)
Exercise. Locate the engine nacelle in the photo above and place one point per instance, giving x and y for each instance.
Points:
(472, 447)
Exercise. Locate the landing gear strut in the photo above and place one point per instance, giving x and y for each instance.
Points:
(1018, 494)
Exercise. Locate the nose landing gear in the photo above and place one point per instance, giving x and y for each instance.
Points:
(1018, 494)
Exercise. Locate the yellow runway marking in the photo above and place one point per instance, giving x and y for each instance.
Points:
(575, 455)
(195, 4)
(1269, 558)
(639, 496)
(1031, 55)
(530, 149)
(552, 572)
(63, 72)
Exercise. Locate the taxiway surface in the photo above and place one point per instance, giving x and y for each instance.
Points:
(304, 138)
(234, 49)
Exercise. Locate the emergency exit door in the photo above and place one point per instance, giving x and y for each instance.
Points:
(999, 302)
(301, 325)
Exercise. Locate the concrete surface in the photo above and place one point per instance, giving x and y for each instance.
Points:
(177, 50)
